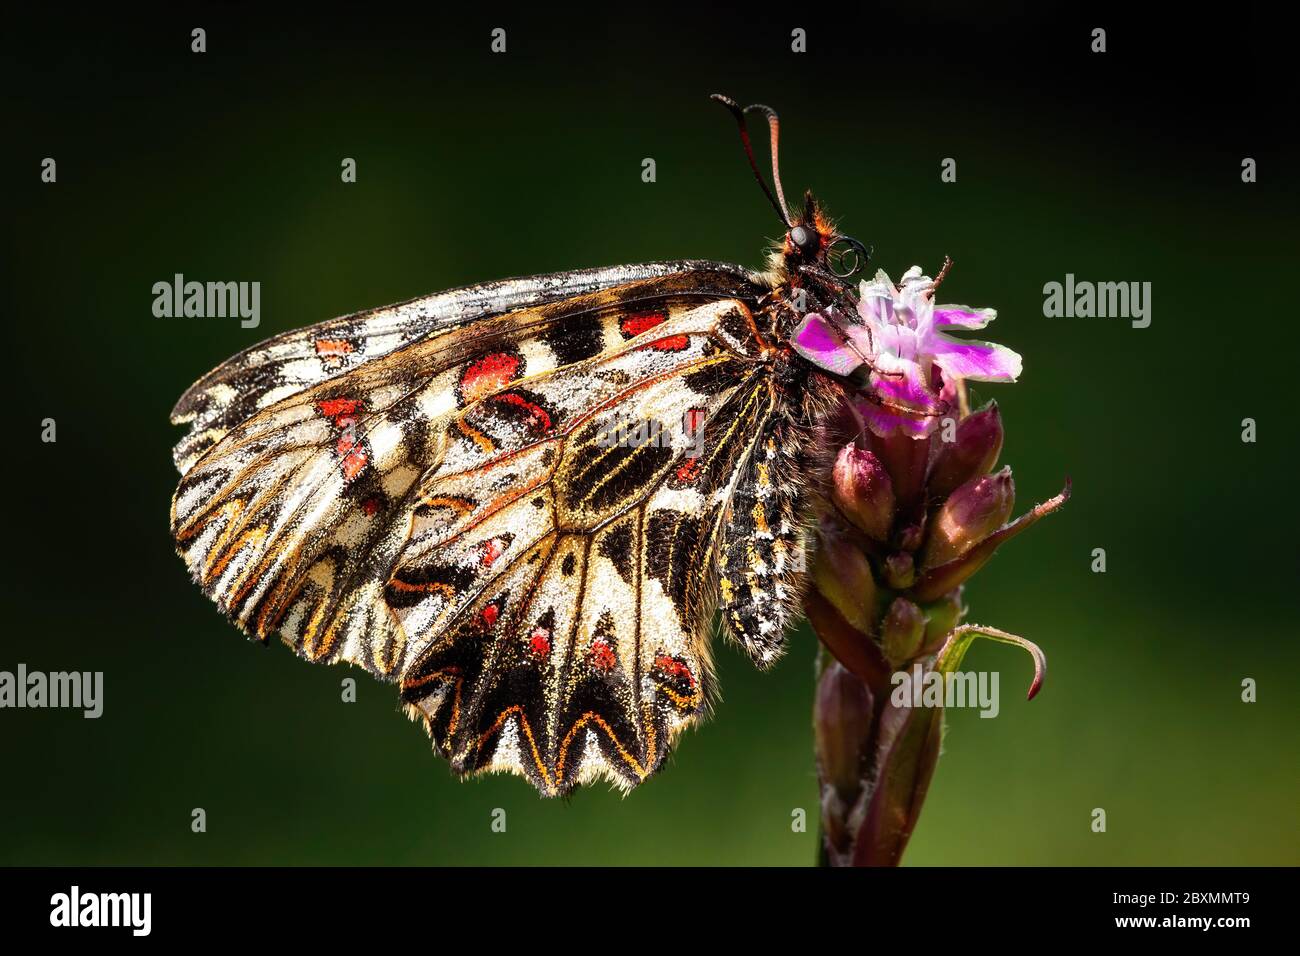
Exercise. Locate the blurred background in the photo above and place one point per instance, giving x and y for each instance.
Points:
(1122, 166)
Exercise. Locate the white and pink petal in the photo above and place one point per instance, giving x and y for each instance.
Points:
(821, 343)
(978, 361)
(963, 316)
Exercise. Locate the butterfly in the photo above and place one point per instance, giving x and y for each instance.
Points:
(430, 491)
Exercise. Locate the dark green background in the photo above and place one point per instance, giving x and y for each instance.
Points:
(1116, 167)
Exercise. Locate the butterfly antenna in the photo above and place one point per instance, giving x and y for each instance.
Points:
(774, 136)
(774, 129)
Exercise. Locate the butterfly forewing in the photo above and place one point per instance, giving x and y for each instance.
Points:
(293, 361)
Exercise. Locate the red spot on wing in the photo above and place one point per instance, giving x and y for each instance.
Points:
(486, 375)
(333, 351)
(333, 346)
(602, 655)
(353, 454)
(342, 410)
(539, 642)
(634, 323)
(672, 667)
(688, 471)
(490, 550)
(372, 505)
(354, 462)
(538, 420)
(671, 343)
(330, 407)
(488, 616)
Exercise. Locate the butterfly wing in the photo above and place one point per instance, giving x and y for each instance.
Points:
(453, 515)
(291, 362)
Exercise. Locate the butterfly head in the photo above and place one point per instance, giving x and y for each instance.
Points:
(808, 238)
(812, 243)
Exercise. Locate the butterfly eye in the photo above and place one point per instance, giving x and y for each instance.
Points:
(805, 240)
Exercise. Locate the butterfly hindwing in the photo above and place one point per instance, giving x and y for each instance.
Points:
(566, 645)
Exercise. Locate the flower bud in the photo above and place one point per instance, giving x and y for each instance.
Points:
(842, 719)
(972, 452)
(843, 576)
(971, 513)
(862, 490)
(905, 458)
(910, 537)
(934, 583)
(901, 631)
(900, 571)
(940, 618)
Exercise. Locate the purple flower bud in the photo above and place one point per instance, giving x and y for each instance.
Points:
(906, 459)
(910, 537)
(900, 571)
(862, 490)
(973, 452)
(842, 719)
(901, 631)
(934, 583)
(843, 576)
(971, 513)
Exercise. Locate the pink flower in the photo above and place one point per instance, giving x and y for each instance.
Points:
(916, 366)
